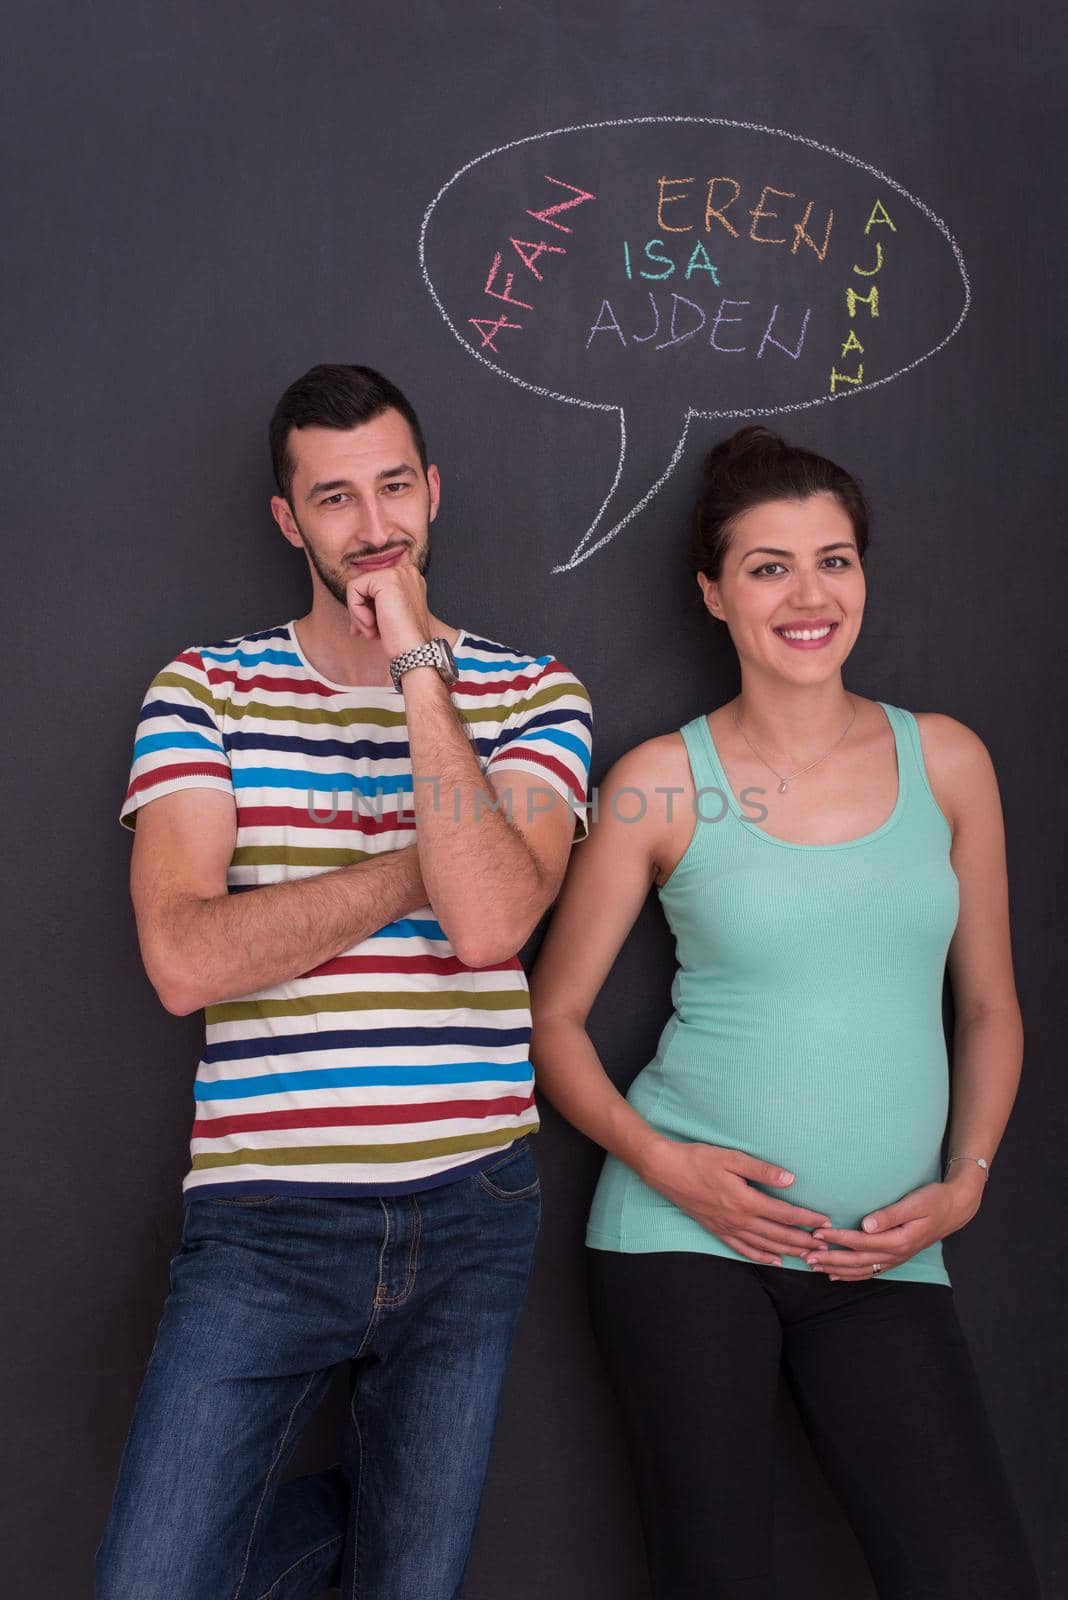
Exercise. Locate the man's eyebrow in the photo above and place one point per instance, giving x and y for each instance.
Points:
(327, 488)
(768, 550)
(333, 484)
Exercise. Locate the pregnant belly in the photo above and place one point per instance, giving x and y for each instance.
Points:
(857, 1133)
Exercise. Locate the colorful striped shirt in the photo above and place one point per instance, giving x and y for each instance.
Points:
(394, 1065)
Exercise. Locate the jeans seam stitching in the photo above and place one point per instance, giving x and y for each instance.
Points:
(380, 1298)
(292, 1568)
(413, 1253)
(507, 1194)
(359, 1495)
(270, 1474)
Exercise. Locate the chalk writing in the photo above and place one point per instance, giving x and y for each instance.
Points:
(529, 253)
(716, 208)
(684, 311)
(879, 217)
(698, 260)
(681, 267)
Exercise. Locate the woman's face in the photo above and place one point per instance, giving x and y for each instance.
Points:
(792, 567)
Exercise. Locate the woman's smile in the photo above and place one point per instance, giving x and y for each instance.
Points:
(806, 635)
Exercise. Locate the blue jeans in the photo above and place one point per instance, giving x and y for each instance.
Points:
(421, 1294)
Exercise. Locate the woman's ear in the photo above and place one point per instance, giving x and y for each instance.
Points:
(710, 595)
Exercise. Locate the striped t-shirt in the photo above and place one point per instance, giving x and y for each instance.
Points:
(393, 1065)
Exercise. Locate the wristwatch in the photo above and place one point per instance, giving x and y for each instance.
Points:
(437, 653)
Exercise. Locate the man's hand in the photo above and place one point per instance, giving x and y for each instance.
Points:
(390, 604)
(715, 1187)
(889, 1237)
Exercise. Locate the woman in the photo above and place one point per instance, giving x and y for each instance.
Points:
(774, 1194)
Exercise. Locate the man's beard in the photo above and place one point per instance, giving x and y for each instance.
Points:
(337, 579)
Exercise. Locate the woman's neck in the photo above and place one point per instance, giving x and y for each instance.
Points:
(795, 721)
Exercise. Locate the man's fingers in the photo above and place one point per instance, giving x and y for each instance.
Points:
(362, 618)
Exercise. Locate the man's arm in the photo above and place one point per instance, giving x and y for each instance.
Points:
(489, 879)
(201, 945)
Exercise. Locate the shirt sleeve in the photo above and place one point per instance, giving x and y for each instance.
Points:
(549, 734)
(179, 744)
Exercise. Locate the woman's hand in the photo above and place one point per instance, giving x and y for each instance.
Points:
(715, 1187)
(889, 1237)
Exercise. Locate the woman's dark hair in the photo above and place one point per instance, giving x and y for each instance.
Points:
(752, 466)
(333, 396)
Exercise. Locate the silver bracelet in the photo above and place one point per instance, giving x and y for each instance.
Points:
(980, 1161)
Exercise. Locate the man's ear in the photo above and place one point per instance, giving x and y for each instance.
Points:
(283, 515)
(433, 478)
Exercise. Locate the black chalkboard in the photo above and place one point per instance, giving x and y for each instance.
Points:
(584, 239)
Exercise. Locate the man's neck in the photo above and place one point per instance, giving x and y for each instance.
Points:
(337, 653)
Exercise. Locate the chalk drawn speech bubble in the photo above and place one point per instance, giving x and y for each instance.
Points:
(667, 268)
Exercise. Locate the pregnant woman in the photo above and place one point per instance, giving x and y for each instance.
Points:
(775, 1194)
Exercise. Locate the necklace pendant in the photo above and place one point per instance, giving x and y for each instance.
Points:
(782, 787)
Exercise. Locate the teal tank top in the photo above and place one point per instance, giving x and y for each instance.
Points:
(807, 1021)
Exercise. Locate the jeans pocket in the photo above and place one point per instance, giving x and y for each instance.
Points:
(514, 1176)
(238, 1199)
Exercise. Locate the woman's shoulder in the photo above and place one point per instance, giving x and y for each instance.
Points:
(958, 763)
(661, 752)
(948, 741)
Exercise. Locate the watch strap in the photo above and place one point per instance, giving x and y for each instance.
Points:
(429, 654)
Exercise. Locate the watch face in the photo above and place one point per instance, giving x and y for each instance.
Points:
(450, 673)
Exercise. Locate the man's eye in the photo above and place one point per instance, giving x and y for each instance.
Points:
(332, 499)
(400, 484)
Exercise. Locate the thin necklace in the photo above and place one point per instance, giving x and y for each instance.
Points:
(783, 781)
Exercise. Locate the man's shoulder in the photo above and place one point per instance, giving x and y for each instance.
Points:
(241, 643)
(480, 655)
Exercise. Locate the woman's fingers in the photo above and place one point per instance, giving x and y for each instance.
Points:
(758, 1171)
(774, 1237)
(750, 1251)
(898, 1238)
(850, 1263)
(765, 1207)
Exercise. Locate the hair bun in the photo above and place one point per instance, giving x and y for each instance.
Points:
(754, 466)
(752, 440)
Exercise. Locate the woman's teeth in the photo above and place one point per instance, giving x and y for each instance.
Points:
(804, 633)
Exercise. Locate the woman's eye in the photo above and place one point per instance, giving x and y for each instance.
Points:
(759, 571)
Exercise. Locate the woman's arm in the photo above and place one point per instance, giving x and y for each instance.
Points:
(988, 1030)
(608, 880)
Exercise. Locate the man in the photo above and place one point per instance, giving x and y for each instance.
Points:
(346, 827)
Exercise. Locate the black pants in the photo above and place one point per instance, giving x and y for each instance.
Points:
(887, 1393)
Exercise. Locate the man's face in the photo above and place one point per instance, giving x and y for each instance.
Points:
(359, 500)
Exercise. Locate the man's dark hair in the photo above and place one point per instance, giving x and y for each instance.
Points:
(334, 396)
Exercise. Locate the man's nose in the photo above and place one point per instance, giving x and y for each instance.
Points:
(375, 529)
